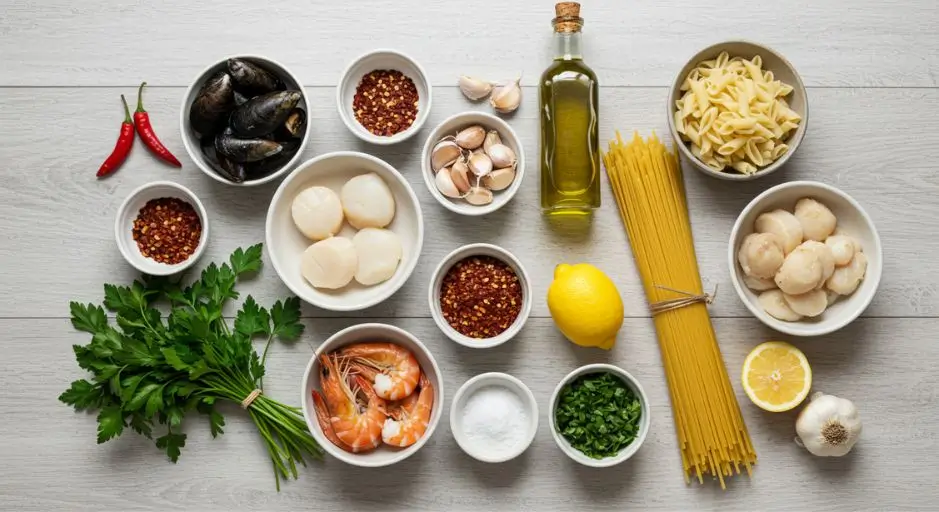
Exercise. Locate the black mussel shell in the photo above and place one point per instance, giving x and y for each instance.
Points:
(251, 78)
(240, 99)
(263, 114)
(232, 171)
(245, 150)
(294, 126)
(213, 102)
(271, 164)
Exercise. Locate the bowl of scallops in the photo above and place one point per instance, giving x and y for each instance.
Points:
(805, 258)
(344, 231)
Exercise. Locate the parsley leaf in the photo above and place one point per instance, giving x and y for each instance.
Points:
(83, 395)
(286, 317)
(253, 319)
(598, 415)
(110, 423)
(88, 318)
(216, 422)
(171, 443)
(246, 261)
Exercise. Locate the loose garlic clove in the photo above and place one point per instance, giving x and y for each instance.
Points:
(479, 196)
(460, 177)
(445, 184)
(474, 88)
(480, 164)
(492, 138)
(774, 303)
(444, 154)
(471, 138)
(507, 97)
(502, 156)
(499, 179)
(810, 304)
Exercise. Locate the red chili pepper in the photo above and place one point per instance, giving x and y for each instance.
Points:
(142, 121)
(124, 142)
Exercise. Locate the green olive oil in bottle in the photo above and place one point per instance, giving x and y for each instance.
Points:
(570, 154)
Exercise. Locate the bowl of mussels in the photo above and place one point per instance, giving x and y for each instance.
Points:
(244, 120)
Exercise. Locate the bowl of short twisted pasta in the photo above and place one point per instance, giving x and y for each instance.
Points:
(739, 109)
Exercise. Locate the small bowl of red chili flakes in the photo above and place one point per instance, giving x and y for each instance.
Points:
(384, 97)
(161, 228)
(480, 296)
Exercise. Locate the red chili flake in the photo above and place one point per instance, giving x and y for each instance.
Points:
(167, 230)
(385, 102)
(481, 297)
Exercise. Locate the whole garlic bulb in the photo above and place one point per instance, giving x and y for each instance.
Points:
(828, 426)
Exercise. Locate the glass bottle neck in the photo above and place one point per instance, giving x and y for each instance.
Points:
(567, 46)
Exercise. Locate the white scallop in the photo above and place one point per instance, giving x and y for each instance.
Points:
(825, 257)
(760, 255)
(801, 272)
(379, 252)
(329, 263)
(782, 224)
(367, 201)
(842, 248)
(775, 305)
(847, 278)
(809, 304)
(816, 219)
(759, 284)
(317, 212)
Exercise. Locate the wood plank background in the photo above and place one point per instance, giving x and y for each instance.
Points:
(871, 68)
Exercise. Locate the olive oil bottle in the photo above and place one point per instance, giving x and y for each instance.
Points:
(570, 153)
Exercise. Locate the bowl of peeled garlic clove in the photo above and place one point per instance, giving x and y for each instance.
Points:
(473, 163)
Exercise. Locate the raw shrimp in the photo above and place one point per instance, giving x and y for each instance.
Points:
(357, 427)
(393, 369)
(409, 420)
(322, 417)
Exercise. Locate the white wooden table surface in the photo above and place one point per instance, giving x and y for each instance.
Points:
(872, 68)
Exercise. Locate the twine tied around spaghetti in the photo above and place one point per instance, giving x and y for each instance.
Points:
(252, 396)
(680, 302)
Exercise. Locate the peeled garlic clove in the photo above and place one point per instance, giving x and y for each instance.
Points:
(479, 196)
(492, 138)
(460, 177)
(471, 138)
(480, 164)
(506, 98)
(499, 179)
(445, 184)
(474, 88)
(501, 156)
(445, 153)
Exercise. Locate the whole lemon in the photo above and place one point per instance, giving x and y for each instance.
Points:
(585, 305)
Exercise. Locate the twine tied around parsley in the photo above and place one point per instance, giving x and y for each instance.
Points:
(252, 396)
(688, 299)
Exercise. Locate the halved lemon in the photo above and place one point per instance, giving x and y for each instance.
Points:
(776, 376)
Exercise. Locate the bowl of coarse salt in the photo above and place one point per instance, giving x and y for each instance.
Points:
(494, 417)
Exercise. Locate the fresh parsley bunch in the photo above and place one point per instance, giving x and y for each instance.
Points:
(151, 370)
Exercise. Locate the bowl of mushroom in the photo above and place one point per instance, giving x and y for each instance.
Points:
(473, 163)
(805, 258)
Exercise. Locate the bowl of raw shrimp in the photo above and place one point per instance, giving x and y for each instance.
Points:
(372, 395)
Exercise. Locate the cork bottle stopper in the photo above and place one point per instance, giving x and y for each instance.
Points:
(567, 17)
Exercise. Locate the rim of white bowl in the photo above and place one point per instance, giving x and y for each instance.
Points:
(345, 111)
(645, 422)
(500, 198)
(351, 458)
(194, 151)
(786, 327)
(408, 269)
(459, 254)
(795, 142)
(123, 213)
(497, 379)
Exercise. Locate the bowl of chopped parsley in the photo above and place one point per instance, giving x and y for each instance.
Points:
(599, 415)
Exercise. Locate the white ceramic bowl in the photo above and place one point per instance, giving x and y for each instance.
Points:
(383, 455)
(473, 385)
(462, 253)
(450, 126)
(191, 142)
(377, 60)
(124, 226)
(644, 421)
(285, 243)
(772, 61)
(852, 219)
